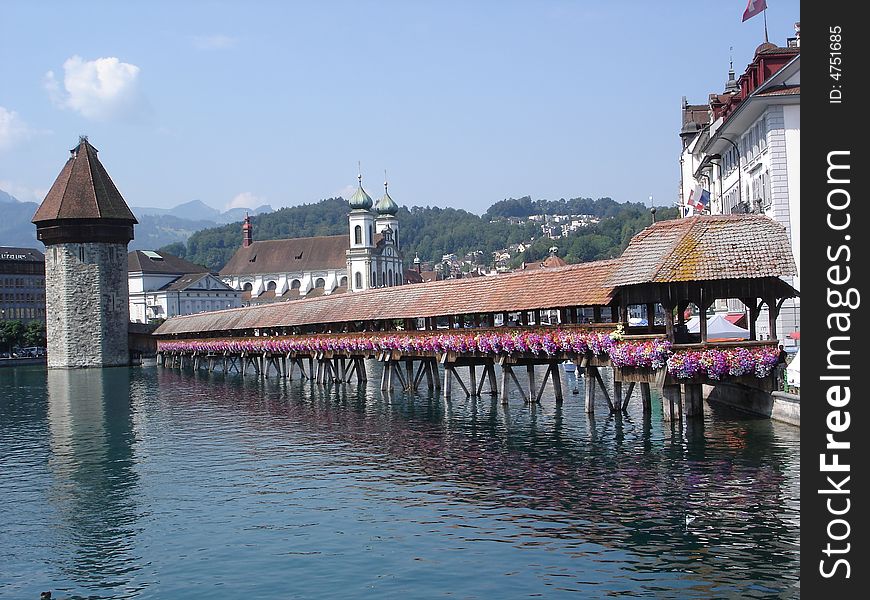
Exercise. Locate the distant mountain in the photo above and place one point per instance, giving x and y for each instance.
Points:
(156, 231)
(7, 198)
(15, 226)
(160, 227)
(197, 210)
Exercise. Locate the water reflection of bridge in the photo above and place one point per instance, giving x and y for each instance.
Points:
(492, 327)
(617, 482)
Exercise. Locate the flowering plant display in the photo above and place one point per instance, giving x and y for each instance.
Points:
(714, 363)
(652, 353)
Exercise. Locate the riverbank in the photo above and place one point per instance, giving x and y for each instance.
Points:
(20, 362)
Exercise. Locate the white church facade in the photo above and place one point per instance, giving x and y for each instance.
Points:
(368, 256)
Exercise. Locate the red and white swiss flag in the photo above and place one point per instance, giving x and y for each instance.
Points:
(754, 7)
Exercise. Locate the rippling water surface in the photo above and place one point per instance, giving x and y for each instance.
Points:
(151, 483)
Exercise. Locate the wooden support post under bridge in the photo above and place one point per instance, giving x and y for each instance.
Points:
(672, 403)
(693, 400)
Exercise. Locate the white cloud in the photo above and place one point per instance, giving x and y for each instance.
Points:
(22, 192)
(102, 89)
(12, 128)
(246, 200)
(213, 42)
(346, 192)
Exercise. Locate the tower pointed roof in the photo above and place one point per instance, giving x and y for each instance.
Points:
(83, 190)
(385, 205)
(360, 199)
(83, 205)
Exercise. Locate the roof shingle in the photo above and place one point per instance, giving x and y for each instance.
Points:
(706, 247)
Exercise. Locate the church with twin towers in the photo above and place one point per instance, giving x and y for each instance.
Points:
(367, 256)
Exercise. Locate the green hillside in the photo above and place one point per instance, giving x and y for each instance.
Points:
(433, 232)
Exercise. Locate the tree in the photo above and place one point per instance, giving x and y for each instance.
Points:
(34, 334)
(11, 334)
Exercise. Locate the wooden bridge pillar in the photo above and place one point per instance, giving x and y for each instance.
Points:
(589, 389)
(450, 374)
(530, 372)
(693, 399)
(646, 398)
(672, 403)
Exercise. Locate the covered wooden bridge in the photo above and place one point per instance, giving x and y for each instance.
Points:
(577, 313)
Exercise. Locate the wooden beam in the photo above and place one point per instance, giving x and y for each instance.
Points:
(589, 388)
(600, 381)
(627, 396)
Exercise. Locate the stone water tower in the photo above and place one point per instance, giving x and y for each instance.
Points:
(85, 226)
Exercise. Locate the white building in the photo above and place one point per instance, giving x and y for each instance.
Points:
(744, 147)
(162, 285)
(368, 256)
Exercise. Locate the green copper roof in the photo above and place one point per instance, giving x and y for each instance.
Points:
(385, 205)
(360, 199)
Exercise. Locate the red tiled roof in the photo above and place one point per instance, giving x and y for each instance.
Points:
(793, 90)
(574, 285)
(291, 255)
(706, 247)
(83, 190)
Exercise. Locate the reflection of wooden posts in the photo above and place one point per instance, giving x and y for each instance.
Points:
(672, 403)
(693, 399)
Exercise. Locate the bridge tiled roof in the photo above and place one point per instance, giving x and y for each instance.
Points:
(573, 285)
(706, 247)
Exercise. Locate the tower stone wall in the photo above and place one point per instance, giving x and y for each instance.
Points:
(87, 309)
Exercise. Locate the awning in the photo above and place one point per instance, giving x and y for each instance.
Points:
(794, 335)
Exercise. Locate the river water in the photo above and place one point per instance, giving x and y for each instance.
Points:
(153, 483)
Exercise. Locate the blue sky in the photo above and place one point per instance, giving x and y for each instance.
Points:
(463, 103)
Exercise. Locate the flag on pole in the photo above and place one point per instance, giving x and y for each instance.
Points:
(698, 200)
(754, 7)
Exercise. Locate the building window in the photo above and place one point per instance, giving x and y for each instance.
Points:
(358, 281)
(320, 283)
(272, 285)
(357, 235)
(371, 235)
(390, 278)
(295, 284)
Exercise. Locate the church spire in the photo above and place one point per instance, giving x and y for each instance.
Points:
(731, 87)
(360, 199)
